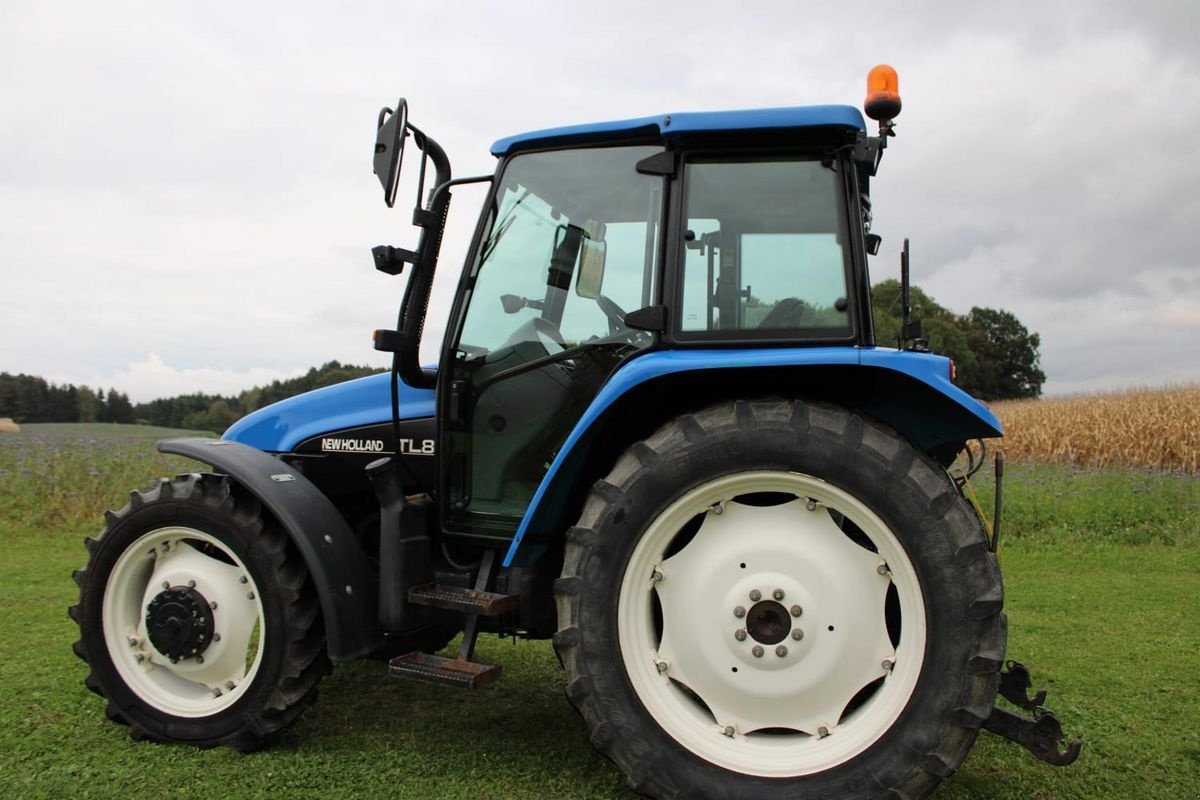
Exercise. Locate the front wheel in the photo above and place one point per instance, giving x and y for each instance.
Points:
(197, 617)
(804, 606)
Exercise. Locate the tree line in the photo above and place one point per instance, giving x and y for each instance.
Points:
(29, 398)
(995, 356)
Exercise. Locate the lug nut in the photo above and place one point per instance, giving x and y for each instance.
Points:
(216, 637)
(242, 579)
(797, 611)
(213, 605)
(781, 651)
(191, 584)
(138, 657)
(882, 569)
(656, 576)
(755, 595)
(230, 685)
(718, 508)
(133, 641)
(216, 692)
(822, 732)
(166, 584)
(739, 612)
(199, 659)
(777, 594)
(661, 666)
(757, 651)
(740, 634)
(729, 731)
(797, 634)
(249, 595)
(811, 505)
(888, 663)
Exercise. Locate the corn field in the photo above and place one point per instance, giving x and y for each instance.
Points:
(1153, 428)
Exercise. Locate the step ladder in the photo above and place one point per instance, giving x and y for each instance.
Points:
(460, 672)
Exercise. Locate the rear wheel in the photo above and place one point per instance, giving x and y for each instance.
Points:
(197, 617)
(804, 605)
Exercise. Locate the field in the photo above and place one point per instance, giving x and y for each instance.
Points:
(1102, 569)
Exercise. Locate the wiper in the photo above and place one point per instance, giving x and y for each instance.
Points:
(501, 228)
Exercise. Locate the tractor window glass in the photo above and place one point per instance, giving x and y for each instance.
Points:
(765, 250)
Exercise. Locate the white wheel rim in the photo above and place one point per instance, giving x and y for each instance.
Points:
(781, 713)
(216, 678)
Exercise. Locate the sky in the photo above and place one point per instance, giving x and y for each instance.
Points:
(187, 203)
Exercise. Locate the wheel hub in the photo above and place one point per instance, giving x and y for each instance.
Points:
(768, 622)
(179, 623)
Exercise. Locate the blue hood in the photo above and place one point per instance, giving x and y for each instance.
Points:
(279, 427)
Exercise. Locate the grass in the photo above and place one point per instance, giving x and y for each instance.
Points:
(1102, 570)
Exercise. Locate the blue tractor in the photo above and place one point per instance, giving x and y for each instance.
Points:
(661, 432)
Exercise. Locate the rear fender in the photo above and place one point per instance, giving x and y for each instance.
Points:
(339, 567)
(909, 391)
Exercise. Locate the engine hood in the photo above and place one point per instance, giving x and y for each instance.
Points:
(279, 427)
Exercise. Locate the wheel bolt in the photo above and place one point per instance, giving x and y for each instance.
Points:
(657, 576)
(797, 611)
(191, 584)
(729, 731)
(199, 659)
(822, 732)
(781, 651)
(138, 657)
(740, 634)
(757, 651)
(739, 612)
(242, 579)
(216, 637)
(755, 595)
(882, 569)
(166, 546)
(216, 692)
(166, 584)
(249, 595)
(661, 666)
(797, 634)
(153, 554)
(777, 594)
(811, 505)
(213, 605)
(888, 663)
(718, 508)
(230, 685)
(133, 641)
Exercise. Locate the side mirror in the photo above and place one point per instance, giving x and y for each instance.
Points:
(392, 128)
(592, 253)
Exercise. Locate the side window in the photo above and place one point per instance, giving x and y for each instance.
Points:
(765, 250)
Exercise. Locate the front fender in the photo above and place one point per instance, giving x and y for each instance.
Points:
(339, 568)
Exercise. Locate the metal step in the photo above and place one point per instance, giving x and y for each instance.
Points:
(454, 672)
(468, 601)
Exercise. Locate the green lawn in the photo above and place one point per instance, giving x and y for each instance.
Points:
(1102, 574)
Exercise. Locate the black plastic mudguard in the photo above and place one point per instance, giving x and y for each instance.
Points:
(336, 561)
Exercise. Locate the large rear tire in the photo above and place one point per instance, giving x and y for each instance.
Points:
(197, 617)
(804, 607)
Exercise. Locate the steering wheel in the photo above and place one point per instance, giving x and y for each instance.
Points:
(614, 313)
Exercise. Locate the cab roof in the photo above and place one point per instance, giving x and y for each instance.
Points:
(666, 126)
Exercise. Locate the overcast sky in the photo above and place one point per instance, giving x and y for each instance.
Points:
(187, 204)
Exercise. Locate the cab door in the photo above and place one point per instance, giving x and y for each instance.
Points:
(571, 243)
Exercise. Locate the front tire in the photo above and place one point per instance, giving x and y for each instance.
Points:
(804, 607)
(197, 617)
